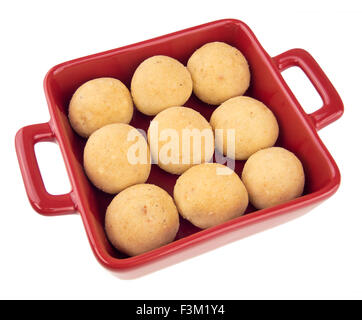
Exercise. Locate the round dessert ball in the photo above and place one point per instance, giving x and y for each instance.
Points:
(273, 176)
(116, 156)
(210, 194)
(99, 102)
(141, 218)
(179, 138)
(255, 127)
(219, 72)
(160, 82)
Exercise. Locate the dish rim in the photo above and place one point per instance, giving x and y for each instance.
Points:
(113, 263)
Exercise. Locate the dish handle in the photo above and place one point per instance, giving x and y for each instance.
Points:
(332, 108)
(42, 201)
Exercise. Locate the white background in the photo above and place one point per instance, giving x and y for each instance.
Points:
(315, 256)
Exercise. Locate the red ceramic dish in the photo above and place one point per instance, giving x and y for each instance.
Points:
(298, 133)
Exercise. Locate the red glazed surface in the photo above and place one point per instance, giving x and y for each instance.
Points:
(298, 133)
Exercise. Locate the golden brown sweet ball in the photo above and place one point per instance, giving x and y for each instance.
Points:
(253, 126)
(219, 72)
(273, 176)
(160, 82)
(210, 194)
(116, 156)
(179, 138)
(141, 218)
(99, 102)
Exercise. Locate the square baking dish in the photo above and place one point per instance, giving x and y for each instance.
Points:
(298, 133)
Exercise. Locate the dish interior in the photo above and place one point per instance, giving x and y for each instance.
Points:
(266, 86)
